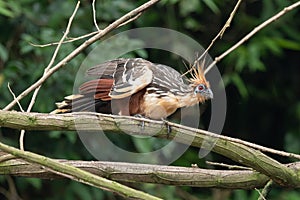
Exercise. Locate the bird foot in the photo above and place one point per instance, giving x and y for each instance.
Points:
(143, 122)
(169, 128)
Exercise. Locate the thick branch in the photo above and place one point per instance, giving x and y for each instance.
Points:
(144, 173)
(77, 174)
(92, 121)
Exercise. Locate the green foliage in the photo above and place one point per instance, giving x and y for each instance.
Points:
(261, 78)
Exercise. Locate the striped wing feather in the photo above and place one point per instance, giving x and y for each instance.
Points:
(129, 76)
(169, 80)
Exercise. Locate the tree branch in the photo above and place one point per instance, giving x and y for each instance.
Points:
(79, 49)
(77, 174)
(253, 32)
(234, 149)
(144, 173)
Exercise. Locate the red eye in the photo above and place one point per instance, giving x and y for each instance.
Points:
(201, 87)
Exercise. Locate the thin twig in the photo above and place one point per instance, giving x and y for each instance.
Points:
(265, 191)
(63, 38)
(94, 16)
(220, 34)
(12, 189)
(69, 40)
(253, 32)
(228, 166)
(36, 91)
(22, 134)
(79, 49)
(261, 197)
(13, 94)
(228, 22)
(132, 19)
(21, 139)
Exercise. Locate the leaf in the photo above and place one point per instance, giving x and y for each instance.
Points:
(187, 7)
(239, 83)
(241, 58)
(35, 182)
(291, 142)
(272, 45)
(211, 4)
(142, 145)
(288, 44)
(3, 53)
(254, 62)
(4, 10)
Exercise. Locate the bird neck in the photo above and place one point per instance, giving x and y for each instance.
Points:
(190, 99)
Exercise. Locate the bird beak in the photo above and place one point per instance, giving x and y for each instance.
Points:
(209, 94)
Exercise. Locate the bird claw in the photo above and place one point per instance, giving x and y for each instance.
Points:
(169, 128)
(143, 122)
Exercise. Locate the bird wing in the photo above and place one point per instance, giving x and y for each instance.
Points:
(105, 70)
(169, 80)
(128, 76)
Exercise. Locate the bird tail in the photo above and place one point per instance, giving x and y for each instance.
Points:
(80, 103)
(66, 105)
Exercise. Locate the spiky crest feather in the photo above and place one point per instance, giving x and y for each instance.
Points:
(197, 74)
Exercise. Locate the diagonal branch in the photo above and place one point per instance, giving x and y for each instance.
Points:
(36, 91)
(79, 49)
(232, 148)
(77, 174)
(253, 32)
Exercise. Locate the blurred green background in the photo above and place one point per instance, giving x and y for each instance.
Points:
(261, 77)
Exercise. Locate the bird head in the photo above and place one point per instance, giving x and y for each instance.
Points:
(199, 83)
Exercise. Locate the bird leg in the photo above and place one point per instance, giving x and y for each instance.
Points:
(143, 122)
(169, 128)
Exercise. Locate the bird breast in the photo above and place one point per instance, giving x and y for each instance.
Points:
(158, 106)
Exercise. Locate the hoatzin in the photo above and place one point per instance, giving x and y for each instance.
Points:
(135, 86)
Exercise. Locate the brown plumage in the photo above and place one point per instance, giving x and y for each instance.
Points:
(136, 86)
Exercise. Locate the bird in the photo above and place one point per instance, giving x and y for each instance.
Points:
(138, 87)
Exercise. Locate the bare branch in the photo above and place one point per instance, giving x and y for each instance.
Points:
(77, 174)
(261, 197)
(36, 91)
(13, 94)
(145, 173)
(220, 34)
(95, 16)
(22, 134)
(253, 32)
(235, 149)
(263, 194)
(228, 166)
(79, 49)
(69, 40)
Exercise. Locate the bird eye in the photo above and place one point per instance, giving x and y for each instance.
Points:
(201, 87)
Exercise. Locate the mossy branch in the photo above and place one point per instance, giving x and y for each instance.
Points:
(145, 173)
(75, 173)
(229, 147)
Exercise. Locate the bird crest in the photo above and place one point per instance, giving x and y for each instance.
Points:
(197, 74)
